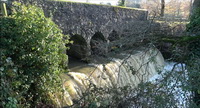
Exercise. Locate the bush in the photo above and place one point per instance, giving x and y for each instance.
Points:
(32, 57)
(194, 25)
(193, 64)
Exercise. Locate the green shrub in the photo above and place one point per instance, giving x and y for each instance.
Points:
(194, 25)
(31, 59)
(193, 64)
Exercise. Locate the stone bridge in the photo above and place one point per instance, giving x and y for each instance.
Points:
(92, 26)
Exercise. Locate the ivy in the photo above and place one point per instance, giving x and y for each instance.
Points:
(32, 57)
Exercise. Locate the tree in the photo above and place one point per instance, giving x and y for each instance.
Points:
(133, 3)
(191, 2)
(190, 54)
(195, 5)
(3, 8)
(122, 3)
(194, 27)
(162, 11)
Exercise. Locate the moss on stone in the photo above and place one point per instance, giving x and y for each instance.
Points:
(180, 40)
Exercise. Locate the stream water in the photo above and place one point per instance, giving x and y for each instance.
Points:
(178, 77)
(121, 70)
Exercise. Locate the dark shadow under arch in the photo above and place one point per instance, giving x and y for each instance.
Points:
(79, 47)
(113, 36)
(98, 44)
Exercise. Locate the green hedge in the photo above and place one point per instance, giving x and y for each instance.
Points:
(31, 59)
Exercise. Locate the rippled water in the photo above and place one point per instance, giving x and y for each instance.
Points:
(120, 71)
(177, 78)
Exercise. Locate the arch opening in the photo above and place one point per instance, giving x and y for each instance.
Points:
(79, 47)
(98, 44)
(113, 36)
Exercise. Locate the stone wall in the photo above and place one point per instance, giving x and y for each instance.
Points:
(87, 19)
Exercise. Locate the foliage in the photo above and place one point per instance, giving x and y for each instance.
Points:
(121, 3)
(194, 78)
(187, 50)
(194, 56)
(31, 58)
(98, 97)
(173, 8)
(145, 95)
(194, 25)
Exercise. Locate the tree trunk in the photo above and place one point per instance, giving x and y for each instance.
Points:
(196, 4)
(191, 1)
(3, 9)
(123, 2)
(162, 11)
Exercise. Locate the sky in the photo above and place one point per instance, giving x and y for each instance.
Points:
(113, 2)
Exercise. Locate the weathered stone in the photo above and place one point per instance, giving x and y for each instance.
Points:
(88, 19)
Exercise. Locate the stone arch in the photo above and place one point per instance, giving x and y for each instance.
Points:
(79, 48)
(98, 44)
